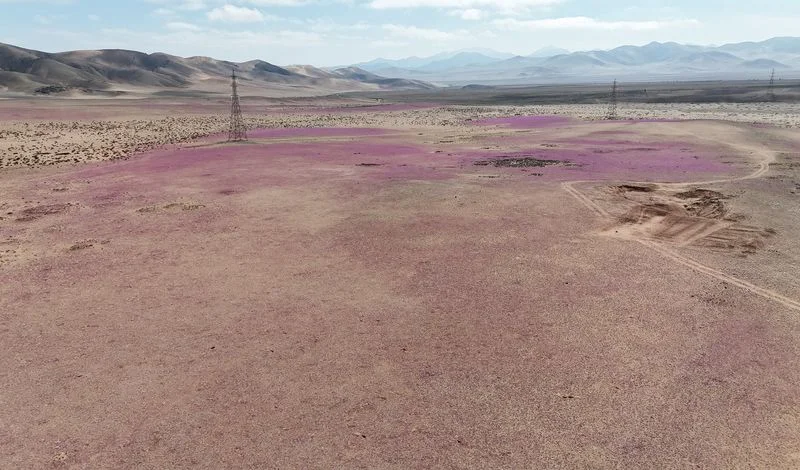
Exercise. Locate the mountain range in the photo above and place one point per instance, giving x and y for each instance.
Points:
(115, 72)
(654, 61)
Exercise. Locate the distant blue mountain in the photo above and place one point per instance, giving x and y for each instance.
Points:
(437, 62)
(549, 51)
(651, 61)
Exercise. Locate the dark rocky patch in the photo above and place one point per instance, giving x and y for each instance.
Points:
(700, 193)
(707, 203)
(38, 212)
(636, 188)
(518, 162)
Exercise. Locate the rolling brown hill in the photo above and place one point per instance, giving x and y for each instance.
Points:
(121, 71)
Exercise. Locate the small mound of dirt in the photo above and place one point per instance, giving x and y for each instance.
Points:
(743, 239)
(707, 203)
(700, 193)
(636, 188)
(690, 218)
(645, 212)
(517, 162)
(369, 164)
(707, 208)
(38, 212)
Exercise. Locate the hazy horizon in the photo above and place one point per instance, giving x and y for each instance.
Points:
(336, 32)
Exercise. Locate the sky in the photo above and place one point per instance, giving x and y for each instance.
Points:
(343, 32)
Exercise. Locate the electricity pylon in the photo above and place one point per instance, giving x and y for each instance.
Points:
(237, 131)
(771, 90)
(612, 104)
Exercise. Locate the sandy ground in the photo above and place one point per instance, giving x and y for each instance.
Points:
(425, 288)
(38, 133)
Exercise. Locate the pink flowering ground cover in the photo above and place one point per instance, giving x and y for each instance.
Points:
(388, 301)
(257, 164)
(375, 156)
(592, 158)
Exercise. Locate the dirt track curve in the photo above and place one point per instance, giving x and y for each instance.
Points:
(765, 158)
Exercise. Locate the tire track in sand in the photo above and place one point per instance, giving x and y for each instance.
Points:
(767, 157)
(766, 293)
(585, 200)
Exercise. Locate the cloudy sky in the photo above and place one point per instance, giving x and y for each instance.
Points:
(336, 32)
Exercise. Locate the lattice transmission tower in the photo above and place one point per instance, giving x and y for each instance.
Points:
(612, 103)
(237, 131)
(771, 90)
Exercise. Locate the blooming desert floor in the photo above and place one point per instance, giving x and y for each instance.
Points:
(416, 288)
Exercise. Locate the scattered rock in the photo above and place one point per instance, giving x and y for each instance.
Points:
(82, 245)
(38, 212)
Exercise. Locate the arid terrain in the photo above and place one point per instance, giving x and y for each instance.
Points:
(364, 285)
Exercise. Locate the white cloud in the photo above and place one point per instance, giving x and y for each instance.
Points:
(463, 4)
(233, 14)
(51, 2)
(181, 26)
(163, 12)
(328, 26)
(188, 5)
(386, 43)
(414, 32)
(470, 14)
(45, 19)
(278, 3)
(191, 39)
(94, 17)
(586, 23)
(195, 5)
(192, 5)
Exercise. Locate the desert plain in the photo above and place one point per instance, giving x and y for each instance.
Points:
(392, 285)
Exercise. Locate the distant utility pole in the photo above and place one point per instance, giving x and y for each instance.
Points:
(771, 91)
(237, 130)
(612, 104)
